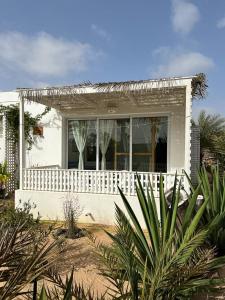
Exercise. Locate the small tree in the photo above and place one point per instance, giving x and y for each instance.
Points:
(72, 212)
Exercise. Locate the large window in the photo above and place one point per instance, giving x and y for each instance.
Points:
(138, 144)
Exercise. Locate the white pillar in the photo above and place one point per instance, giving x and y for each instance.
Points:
(188, 117)
(21, 142)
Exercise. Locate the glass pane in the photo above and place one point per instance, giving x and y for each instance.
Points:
(149, 144)
(114, 144)
(141, 144)
(161, 145)
(82, 144)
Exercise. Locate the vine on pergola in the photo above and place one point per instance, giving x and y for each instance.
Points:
(12, 116)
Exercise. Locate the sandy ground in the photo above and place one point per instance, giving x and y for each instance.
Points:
(81, 256)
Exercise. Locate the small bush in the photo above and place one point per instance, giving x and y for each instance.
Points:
(72, 212)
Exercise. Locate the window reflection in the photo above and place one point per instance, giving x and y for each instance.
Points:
(82, 144)
(114, 144)
(149, 144)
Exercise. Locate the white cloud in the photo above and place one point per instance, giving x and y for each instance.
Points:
(43, 54)
(100, 32)
(179, 63)
(184, 16)
(221, 23)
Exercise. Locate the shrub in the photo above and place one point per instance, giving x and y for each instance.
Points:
(25, 254)
(72, 212)
(4, 178)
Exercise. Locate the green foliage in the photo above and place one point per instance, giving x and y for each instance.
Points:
(24, 255)
(213, 189)
(20, 214)
(167, 261)
(4, 177)
(12, 115)
(212, 134)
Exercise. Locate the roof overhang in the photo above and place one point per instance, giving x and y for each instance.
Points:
(89, 96)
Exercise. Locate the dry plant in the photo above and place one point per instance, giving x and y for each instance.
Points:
(72, 211)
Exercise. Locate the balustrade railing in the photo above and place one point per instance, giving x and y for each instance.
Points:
(102, 182)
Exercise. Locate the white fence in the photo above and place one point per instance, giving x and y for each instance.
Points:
(102, 182)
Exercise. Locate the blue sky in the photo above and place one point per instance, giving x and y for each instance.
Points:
(55, 42)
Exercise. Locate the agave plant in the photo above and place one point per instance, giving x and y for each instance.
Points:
(213, 188)
(167, 260)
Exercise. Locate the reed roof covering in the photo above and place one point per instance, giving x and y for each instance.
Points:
(89, 95)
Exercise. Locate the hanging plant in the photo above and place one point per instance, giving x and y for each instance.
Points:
(12, 116)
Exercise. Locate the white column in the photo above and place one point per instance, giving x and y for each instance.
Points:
(131, 144)
(97, 145)
(21, 142)
(188, 116)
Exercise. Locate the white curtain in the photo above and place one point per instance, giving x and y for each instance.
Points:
(80, 130)
(105, 135)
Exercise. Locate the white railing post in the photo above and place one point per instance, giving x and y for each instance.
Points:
(21, 142)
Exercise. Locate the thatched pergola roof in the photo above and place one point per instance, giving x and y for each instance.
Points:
(138, 93)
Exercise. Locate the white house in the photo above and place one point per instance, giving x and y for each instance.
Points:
(98, 137)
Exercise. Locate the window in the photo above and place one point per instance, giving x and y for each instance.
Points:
(149, 144)
(114, 144)
(82, 144)
(148, 139)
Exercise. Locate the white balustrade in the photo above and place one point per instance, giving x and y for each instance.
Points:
(102, 182)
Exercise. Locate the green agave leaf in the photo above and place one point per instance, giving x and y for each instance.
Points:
(43, 295)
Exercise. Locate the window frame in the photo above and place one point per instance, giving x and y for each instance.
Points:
(116, 117)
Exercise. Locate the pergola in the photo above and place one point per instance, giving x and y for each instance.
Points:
(87, 97)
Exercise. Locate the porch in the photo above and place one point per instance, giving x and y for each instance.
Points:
(108, 134)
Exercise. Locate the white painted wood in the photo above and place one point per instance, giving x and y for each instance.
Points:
(22, 142)
(187, 145)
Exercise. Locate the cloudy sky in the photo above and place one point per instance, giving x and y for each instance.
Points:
(53, 42)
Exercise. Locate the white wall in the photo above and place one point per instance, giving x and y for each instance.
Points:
(47, 150)
(100, 206)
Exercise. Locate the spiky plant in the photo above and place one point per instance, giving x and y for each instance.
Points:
(24, 255)
(168, 260)
(66, 289)
(213, 188)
